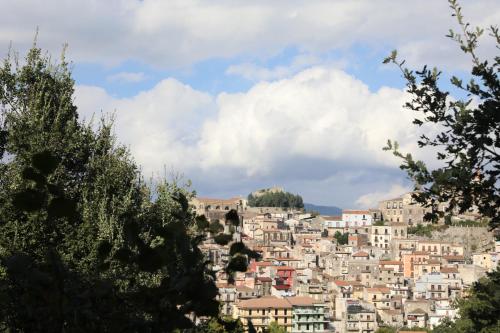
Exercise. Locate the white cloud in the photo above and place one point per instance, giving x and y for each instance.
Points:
(127, 77)
(319, 113)
(253, 72)
(318, 125)
(161, 125)
(371, 200)
(182, 32)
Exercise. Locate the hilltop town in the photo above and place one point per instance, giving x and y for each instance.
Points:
(356, 272)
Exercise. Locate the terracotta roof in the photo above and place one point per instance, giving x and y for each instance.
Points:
(264, 279)
(284, 268)
(361, 254)
(420, 252)
(281, 286)
(331, 218)
(449, 270)
(390, 262)
(264, 303)
(384, 290)
(302, 300)
(343, 283)
(454, 257)
(213, 200)
(352, 211)
(263, 263)
(244, 288)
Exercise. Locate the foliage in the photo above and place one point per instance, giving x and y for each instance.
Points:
(220, 325)
(421, 230)
(480, 311)
(276, 199)
(470, 223)
(83, 246)
(379, 223)
(275, 328)
(342, 238)
(386, 329)
(215, 227)
(468, 135)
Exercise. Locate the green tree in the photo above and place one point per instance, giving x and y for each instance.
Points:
(83, 246)
(342, 238)
(275, 328)
(276, 199)
(468, 138)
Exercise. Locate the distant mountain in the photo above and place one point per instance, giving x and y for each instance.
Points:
(323, 210)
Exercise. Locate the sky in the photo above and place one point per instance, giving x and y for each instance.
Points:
(237, 95)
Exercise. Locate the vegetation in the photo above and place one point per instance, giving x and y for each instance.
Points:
(480, 311)
(342, 238)
(84, 247)
(275, 328)
(379, 223)
(468, 138)
(276, 199)
(421, 230)
(470, 223)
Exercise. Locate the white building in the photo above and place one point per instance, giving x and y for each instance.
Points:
(356, 218)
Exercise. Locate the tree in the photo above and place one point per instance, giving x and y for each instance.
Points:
(275, 328)
(480, 311)
(342, 238)
(468, 139)
(276, 199)
(85, 245)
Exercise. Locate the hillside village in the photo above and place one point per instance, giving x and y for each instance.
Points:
(355, 272)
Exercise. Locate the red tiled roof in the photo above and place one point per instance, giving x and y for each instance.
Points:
(361, 254)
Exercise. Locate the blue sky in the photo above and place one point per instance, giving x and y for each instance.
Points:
(238, 95)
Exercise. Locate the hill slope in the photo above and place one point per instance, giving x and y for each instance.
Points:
(323, 210)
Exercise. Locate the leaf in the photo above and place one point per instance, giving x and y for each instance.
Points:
(149, 260)
(103, 249)
(29, 173)
(61, 207)
(124, 255)
(223, 239)
(233, 217)
(45, 162)
(29, 200)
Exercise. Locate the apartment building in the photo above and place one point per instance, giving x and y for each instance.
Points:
(361, 318)
(261, 312)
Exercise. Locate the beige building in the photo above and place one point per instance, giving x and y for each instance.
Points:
(261, 312)
(203, 206)
(360, 318)
(486, 260)
(404, 209)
